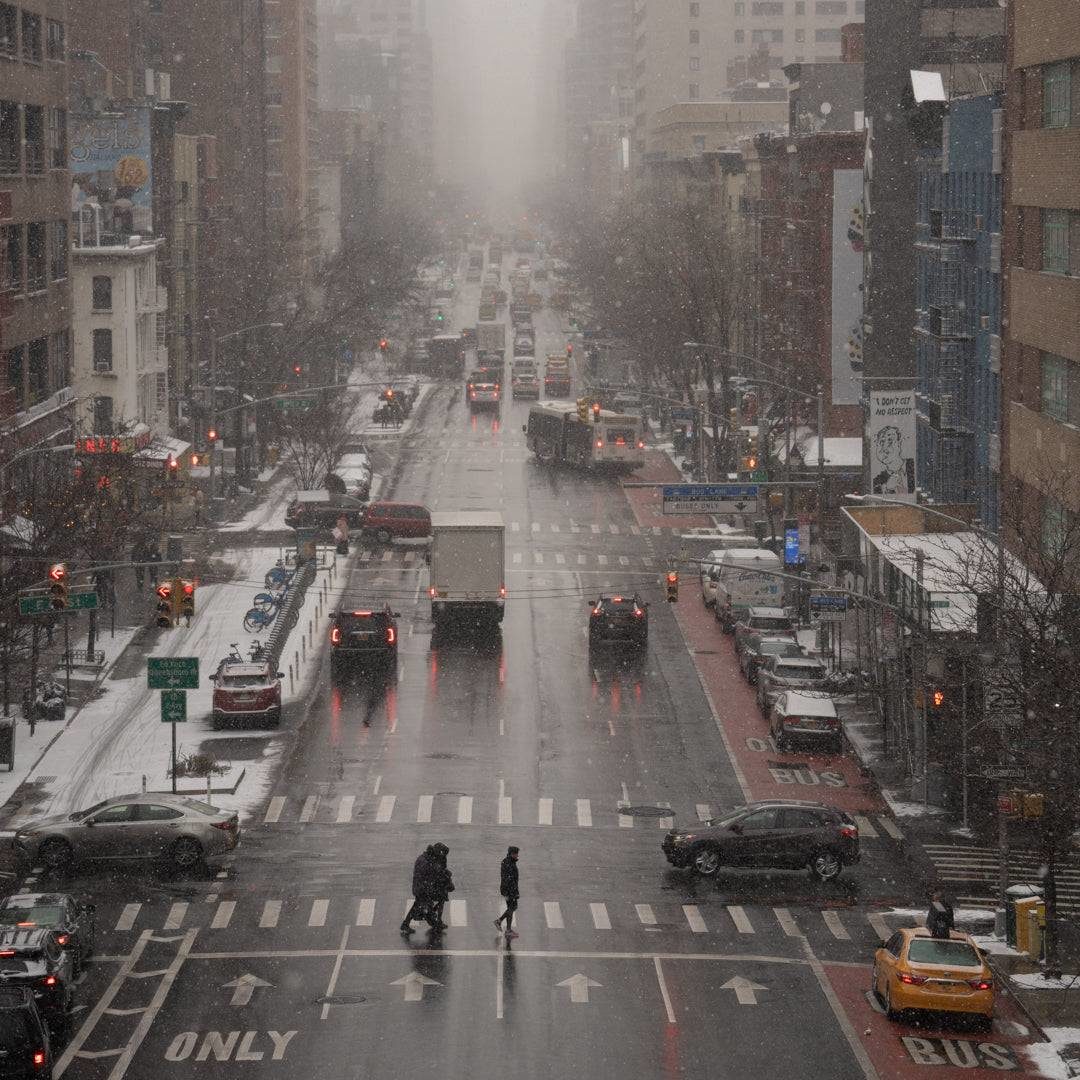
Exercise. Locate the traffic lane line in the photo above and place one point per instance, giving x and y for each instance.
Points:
(834, 780)
(899, 1050)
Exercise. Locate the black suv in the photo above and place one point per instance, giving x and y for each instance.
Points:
(71, 921)
(35, 959)
(776, 835)
(321, 510)
(365, 634)
(24, 1039)
(618, 618)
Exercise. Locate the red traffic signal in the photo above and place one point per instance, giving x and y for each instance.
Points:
(383, 344)
(672, 582)
(569, 350)
(298, 369)
(164, 590)
(57, 572)
(937, 698)
(212, 435)
(596, 411)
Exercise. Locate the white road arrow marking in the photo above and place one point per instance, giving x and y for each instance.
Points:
(243, 988)
(579, 988)
(414, 984)
(744, 990)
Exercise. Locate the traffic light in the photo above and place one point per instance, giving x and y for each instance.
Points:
(173, 468)
(164, 617)
(194, 460)
(672, 582)
(439, 317)
(211, 435)
(298, 369)
(383, 345)
(596, 412)
(937, 698)
(58, 587)
(583, 409)
(569, 351)
(187, 600)
(1034, 805)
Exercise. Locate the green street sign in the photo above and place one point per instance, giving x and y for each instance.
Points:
(173, 706)
(40, 603)
(33, 605)
(300, 404)
(172, 672)
(82, 601)
(760, 476)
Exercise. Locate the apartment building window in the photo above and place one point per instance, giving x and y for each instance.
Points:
(699, 144)
(1057, 94)
(103, 352)
(37, 369)
(740, 36)
(740, 8)
(800, 35)
(695, 37)
(103, 415)
(58, 251)
(695, 92)
(1055, 528)
(767, 7)
(13, 361)
(10, 138)
(827, 34)
(34, 137)
(1059, 256)
(860, 7)
(57, 136)
(31, 37)
(36, 254)
(800, 7)
(13, 259)
(54, 39)
(761, 36)
(101, 292)
(1055, 387)
(9, 30)
(830, 7)
(60, 354)
(695, 10)
(161, 390)
(157, 6)
(695, 63)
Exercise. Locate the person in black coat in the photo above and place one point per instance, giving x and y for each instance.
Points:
(442, 886)
(940, 919)
(423, 886)
(508, 888)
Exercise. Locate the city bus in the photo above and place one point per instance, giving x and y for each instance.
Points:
(557, 435)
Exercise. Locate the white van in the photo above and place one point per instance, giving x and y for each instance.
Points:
(740, 583)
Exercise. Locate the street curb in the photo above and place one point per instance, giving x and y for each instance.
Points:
(1017, 999)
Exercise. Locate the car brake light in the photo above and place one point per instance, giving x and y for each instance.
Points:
(502, 592)
(638, 612)
(62, 939)
(473, 394)
(641, 444)
(391, 635)
(49, 980)
(980, 984)
(335, 636)
(7, 952)
(912, 980)
(363, 614)
(225, 826)
(595, 611)
(849, 832)
(39, 1057)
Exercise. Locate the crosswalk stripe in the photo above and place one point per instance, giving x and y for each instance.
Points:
(694, 919)
(515, 526)
(574, 527)
(600, 916)
(318, 912)
(704, 812)
(345, 808)
(635, 530)
(740, 919)
(128, 916)
(365, 912)
(386, 808)
(787, 923)
(544, 811)
(464, 810)
(273, 810)
(881, 927)
(307, 811)
(387, 556)
(176, 916)
(553, 915)
(506, 810)
(584, 813)
(554, 527)
(645, 914)
(423, 809)
(365, 555)
(459, 915)
(614, 530)
(890, 827)
(535, 526)
(271, 912)
(865, 828)
(656, 530)
(223, 914)
(625, 820)
(409, 557)
(836, 927)
(668, 821)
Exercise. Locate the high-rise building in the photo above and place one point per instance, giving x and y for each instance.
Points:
(1041, 360)
(35, 196)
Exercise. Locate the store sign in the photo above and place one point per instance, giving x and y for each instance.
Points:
(113, 444)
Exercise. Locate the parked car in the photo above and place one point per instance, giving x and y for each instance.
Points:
(390, 521)
(913, 970)
(70, 920)
(780, 834)
(352, 475)
(779, 673)
(774, 621)
(810, 718)
(757, 645)
(363, 634)
(183, 831)
(246, 691)
(25, 1049)
(321, 510)
(618, 619)
(34, 958)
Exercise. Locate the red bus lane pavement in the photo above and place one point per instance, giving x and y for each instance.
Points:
(900, 1050)
(648, 503)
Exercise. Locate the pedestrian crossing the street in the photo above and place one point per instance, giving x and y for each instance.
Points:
(298, 914)
(972, 874)
(508, 811)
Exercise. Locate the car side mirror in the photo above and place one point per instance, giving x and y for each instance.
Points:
(881, 944)
(524, 428)
(89, 822)
(281, 674)
(737, 829)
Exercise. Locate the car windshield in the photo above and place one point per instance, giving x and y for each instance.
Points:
(945, 953)
(12, 914)
(236, 682)
(371, 621)
(726, 819)
(800, 671)
(79, 814)
(779, 648)
(760, 622)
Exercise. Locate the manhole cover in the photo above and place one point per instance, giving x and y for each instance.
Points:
(646, 811)
(705, 652)
(344, 999)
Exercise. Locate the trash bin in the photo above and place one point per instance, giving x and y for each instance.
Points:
(1012, 894)
(1034, 915)
(7, 744)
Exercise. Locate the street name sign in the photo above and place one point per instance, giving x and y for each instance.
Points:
(683, 412)
(710, 498)
(828, 602)
(300, 404)
(1004, 772)
(172, 673)
(173, 706)
(41, 603)
(82, 601)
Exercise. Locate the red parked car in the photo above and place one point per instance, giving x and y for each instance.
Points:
(390, 521)
(246, 691)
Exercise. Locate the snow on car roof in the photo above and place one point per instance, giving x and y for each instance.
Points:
(810, 704)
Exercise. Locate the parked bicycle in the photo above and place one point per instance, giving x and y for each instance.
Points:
(279, 576)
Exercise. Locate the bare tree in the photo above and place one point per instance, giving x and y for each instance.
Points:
(312, 442)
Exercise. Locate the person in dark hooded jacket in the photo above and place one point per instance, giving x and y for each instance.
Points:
(442, 886)
(425, 871)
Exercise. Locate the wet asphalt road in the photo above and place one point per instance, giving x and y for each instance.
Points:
(290, 964)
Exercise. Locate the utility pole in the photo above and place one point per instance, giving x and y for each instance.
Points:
(821, 468)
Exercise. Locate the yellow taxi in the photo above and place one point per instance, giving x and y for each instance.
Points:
(913, 970)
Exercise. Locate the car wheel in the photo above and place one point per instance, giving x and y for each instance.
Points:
(706, 860)
(186, 853)
(56, 854)
(826, 865)
(874, 984)
(383, 536)
(275, 718)
(838, 746)
(216, 722)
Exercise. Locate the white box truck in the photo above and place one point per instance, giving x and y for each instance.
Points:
(740, 583)
(468, 568)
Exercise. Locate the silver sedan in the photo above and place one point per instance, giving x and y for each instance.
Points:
(172, 828)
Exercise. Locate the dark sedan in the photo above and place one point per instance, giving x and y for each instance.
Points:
(615, 619)
(72, 922)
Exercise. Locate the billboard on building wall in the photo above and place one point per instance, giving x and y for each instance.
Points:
(847, 276)
(110, 176)
(891, 436)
